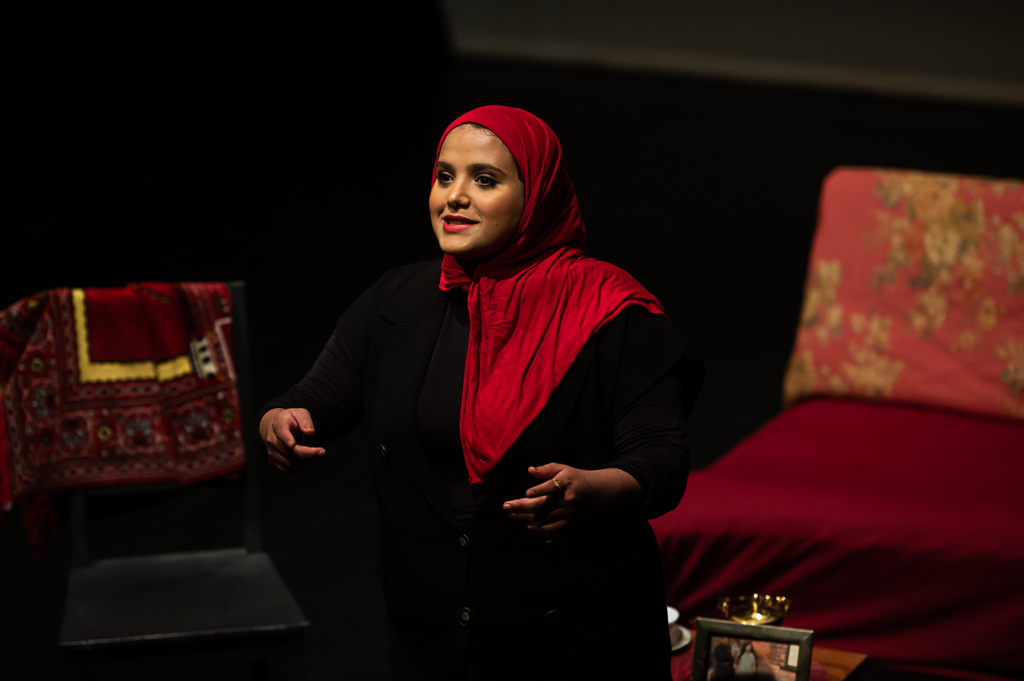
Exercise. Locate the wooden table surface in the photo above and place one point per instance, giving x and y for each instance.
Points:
(839, 664)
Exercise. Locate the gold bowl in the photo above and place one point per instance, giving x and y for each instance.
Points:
(755, 608)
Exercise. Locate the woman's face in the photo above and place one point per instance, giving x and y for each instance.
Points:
(477, 199)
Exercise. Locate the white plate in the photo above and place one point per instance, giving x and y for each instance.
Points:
(680, 637)
(673, 614)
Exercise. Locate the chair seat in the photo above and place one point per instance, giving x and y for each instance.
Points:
(176, 596)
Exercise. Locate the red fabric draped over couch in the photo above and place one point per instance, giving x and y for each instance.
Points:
(915, 560)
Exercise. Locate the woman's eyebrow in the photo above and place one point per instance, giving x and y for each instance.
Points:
(474, 167)
(477, 167)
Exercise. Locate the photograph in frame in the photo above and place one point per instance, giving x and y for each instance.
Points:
(725, 650)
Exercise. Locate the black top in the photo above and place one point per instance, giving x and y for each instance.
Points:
(585, 601)
(652, 428)
(438, 408)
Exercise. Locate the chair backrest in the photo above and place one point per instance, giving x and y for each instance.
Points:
(915, 293)
(125, 495)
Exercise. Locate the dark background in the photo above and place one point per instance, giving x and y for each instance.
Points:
(293, 151)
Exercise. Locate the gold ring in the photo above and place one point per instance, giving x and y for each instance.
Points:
(558, 485)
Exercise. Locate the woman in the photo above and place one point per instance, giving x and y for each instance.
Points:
(746, 664)
(526, 415)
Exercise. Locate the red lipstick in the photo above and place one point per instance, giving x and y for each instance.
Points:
(457, 223)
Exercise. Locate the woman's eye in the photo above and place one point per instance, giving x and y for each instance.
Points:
(444, 177)
(485, 181)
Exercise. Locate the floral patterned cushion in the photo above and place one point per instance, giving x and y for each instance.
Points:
(915, 293)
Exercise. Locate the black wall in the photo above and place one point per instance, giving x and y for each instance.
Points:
(294, 152)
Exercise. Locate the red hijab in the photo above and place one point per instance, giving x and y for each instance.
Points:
(533, 305)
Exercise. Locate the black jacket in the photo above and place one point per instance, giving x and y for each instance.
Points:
(494, 600)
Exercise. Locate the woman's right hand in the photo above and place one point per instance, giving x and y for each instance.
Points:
(278, 430)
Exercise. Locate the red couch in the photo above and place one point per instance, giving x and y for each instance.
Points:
(886, 499)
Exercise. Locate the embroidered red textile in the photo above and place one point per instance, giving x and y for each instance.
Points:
(107, 386)
(534, 305)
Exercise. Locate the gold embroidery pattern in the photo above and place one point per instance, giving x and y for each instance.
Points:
(99, 372)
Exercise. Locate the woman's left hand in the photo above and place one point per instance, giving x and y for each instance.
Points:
(548, 506)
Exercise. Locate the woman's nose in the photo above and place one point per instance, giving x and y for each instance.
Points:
(457, 196)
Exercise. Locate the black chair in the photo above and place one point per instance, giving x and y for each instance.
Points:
(205, 609)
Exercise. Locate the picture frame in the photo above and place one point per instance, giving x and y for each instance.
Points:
(729, 650)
